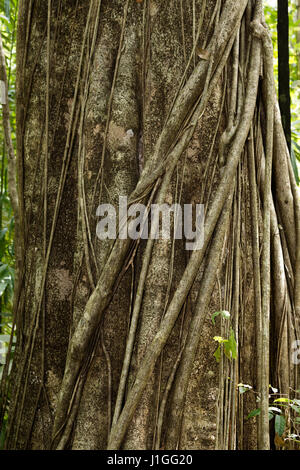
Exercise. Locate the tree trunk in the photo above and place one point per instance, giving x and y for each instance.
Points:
(284, 68)
(162, 102)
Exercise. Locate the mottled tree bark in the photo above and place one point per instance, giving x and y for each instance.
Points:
(160, 102)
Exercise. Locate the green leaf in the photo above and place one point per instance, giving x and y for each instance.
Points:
(214, 316)
(3, 285)
(253, 413)
(273, 408)
(217, 354)
(295, 143)
(3, 271)
(230, 348)
(3, 232)
(279, 424)
(7, 8)
(296, 408)
(220, 339)
(224, 313)
(244, 388)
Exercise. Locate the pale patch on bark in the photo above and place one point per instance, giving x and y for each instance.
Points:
(118, 137)
(62, 282)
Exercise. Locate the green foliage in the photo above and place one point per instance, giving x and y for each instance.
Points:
(227, 345)
(244, 388)
(253, 413)
(8, 18)
(223, 313)
(294, 38)
(285, 407)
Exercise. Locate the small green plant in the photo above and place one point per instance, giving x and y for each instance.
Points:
(280, 410)
(227, 345)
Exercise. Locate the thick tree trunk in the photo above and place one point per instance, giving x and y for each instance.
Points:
(162, 102)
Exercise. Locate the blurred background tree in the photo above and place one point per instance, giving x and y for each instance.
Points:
(286, 38)
(283, 67)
